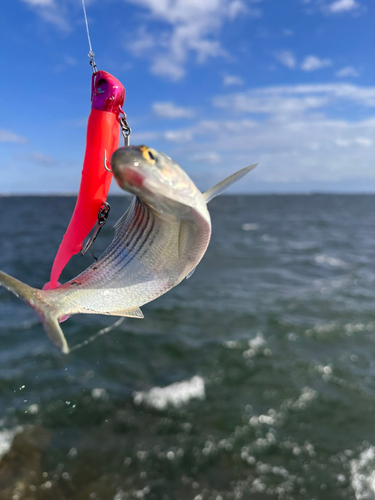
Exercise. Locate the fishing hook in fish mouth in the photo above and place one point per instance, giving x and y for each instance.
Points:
(102, 219)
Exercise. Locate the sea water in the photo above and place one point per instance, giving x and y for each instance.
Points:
(254, 379)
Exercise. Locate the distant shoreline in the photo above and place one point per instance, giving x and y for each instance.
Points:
(126, 195)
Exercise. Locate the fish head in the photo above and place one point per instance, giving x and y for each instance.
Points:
(155, 178)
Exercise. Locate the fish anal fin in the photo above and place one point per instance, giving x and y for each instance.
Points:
(223, 185)
(134, 312)
(54, 332)
(183, 237)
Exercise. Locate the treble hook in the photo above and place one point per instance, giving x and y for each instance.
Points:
(102, 218)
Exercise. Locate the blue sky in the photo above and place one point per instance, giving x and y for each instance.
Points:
(215, 84)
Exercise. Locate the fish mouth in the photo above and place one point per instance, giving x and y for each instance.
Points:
(126, 167)
(129, 178)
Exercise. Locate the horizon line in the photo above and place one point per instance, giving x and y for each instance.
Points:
(258, 193)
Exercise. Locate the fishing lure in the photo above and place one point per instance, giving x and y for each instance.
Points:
(103, 133)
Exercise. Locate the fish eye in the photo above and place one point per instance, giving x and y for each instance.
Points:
(148, 154)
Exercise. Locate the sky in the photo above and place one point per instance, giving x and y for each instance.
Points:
(215, 84)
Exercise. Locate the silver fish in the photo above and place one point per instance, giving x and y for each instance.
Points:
(158, 242)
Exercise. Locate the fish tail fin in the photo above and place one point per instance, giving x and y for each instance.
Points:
(223, 185)
(47, 312)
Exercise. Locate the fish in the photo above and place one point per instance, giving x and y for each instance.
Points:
(158, 242)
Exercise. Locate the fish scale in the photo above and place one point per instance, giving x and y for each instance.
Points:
(158, 242)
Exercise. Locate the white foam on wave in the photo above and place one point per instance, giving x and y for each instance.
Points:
(257, 345)
(6, 439)
(331, 261)
(176, 394)
(362, 471)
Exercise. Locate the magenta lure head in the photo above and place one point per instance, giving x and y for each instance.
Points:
(107, 93)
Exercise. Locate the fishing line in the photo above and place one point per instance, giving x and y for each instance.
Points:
(98, 334)
(91, 53)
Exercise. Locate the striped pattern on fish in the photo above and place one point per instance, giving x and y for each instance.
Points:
(157, 243)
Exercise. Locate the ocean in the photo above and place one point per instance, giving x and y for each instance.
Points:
(254, 379)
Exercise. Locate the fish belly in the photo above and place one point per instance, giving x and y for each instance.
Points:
(140, 265)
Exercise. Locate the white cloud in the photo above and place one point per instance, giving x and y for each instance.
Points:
(227, 125)
(41, 159)
(333, 7)
(170, 110)
(207, 157)
(143, 42)
(295, 98)
(50, 11)
(364, 141)
(191, 26)
(342, 143)
(253, 102)
(178, 136)
(347, 71)
(6, 136)
(163, 66)
(65, 63)
(144, 137)
(40, 3)
(286, 57)
(312, 63)
(342, 6)
(232, 80)
(298, 141)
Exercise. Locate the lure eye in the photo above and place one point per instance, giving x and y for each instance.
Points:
(101, 86)
(151, 156)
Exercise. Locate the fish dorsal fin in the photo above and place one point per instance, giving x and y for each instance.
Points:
(134, 312)
(120, 222)
(223, 185)
(122, 219)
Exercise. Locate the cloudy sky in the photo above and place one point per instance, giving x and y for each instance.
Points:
(215, 84)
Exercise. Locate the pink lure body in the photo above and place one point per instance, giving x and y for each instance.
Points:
(103, 132)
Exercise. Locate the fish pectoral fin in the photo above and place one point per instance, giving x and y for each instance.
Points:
(183, 237)
(135, 312)
(223, 185)
(191, 272)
